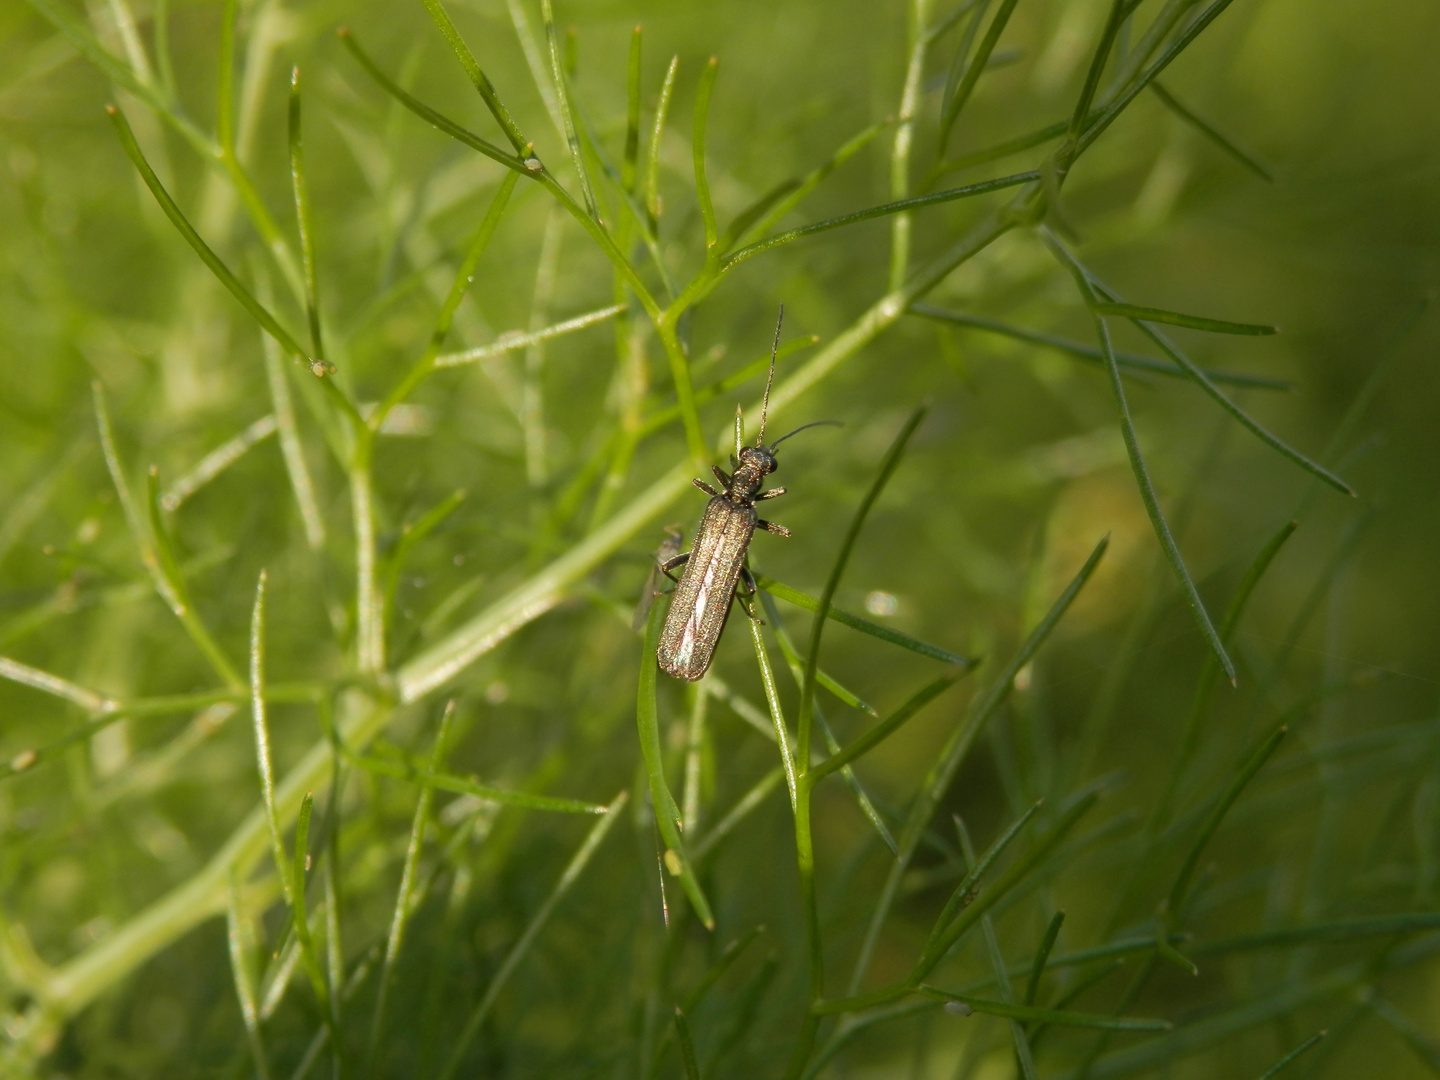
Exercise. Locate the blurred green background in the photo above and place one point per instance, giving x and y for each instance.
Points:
(1016, 473)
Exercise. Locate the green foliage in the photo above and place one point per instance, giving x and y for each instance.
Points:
(536, 251)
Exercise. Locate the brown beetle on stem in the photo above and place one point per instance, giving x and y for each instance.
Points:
(701, 601)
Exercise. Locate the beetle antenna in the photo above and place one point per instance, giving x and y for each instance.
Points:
(765, 404)
(802, 427)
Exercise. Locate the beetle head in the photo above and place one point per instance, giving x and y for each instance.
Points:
(761, 457)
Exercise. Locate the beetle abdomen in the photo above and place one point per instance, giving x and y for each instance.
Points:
(701, 602)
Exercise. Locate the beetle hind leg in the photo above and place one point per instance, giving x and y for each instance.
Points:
(746, 600)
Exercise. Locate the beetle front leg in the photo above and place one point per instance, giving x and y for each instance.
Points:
(725, 480)
(703, 486)
(773, 493)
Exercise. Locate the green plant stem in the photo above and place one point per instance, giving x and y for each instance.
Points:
(900, 150)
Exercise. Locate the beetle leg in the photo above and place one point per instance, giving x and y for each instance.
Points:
(734, 463)
(671, 564)
(720, 475)
(770, 526)
(746, 599)
(771, 494)
(703, 486)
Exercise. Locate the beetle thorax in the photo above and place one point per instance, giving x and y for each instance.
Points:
(756, 463)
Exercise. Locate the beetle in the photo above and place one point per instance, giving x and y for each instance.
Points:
(716, 563)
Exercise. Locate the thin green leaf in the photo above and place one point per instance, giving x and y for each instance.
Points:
(763, 214)
(1081, 113)
(1284, 449)
(521, 339)
(216, 462)
(217, 267)
(652, 156)
(1031, 1014)
(1090, 352)
(1017, 873)
(692, 1000)
(1073, 993)
(744, 806)
(1175, 318)
(1180, 889)
(1001, 150)
(464, 275)
(462, 785)
(338, 438)
(975, 67)
(807, 602)
(176, 592)
(1094, 127)
(965, 892)
(792, 657)
(1137, 461)
(301, 191)
(959, 62)
(240, 937)
(517, 952)
(262, 740)
(25, 675)
(1212, 133)
(562, 96)
(412, 535)
(687, 1045)
(309, 957)
(1023, 1055)
(777, 714)
(984, 187)
(519, 164)
(667, 813)
(1210, 670)
(477, 77)
(1292, 1055)
(539, 72)
(697, 150)
(797, 671)
(842, 558)
(404, 895)
(120, 73)
(1042, 954)
(883, 730)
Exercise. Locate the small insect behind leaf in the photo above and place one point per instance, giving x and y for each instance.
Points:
(716, 563)
(668, 549)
